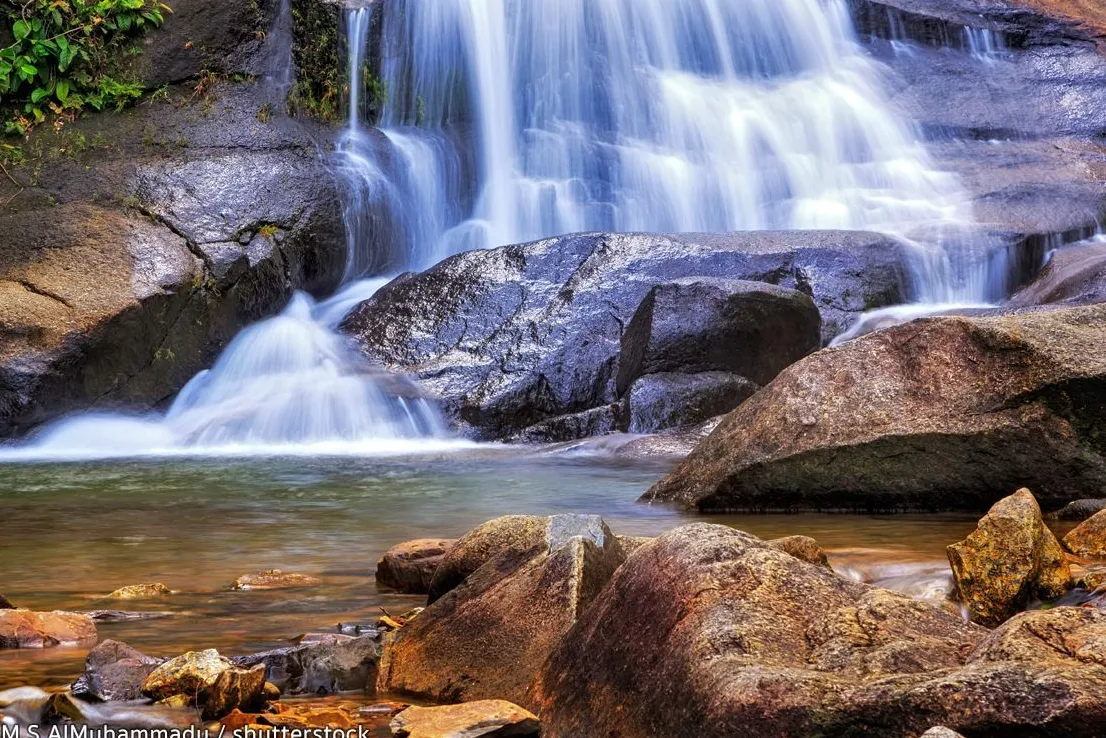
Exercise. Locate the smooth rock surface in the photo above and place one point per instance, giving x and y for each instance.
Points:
(491, 718)
(511, 337)
(1009, 559)
(27, 629)
(488, 637)
(659, 402)
(942, 413)
(409, 567)
(515, 537)
(709, 627)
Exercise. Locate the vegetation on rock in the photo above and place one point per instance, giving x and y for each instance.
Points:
(64, 57)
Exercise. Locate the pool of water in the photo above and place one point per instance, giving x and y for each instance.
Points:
(74, 532)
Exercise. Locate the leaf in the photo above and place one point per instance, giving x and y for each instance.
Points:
(61, 90)
(28, 70)
(21, 30)
(38, 94)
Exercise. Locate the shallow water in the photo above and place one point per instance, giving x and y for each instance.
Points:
(74, 532)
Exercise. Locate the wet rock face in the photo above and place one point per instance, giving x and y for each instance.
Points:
(491, 718)
(514, 337)
(337, 664)
(1089, 537)
(147, 241)
(487, 637)
(114, 672)
(1011, 558)
(409, 567)
(943, 413)
(750, 329)
(708, 626)
(27, 629)
(1075, 275)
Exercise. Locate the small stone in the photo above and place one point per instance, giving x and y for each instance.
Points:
(113, 672)
(234, 689)
(32, 695)
(341, 664)
(274, 579)
(1089, 537)
(484, 718)
(27, 629)
(409, 567)
(270, 692)
(188, 674)
(141, 592)
(803, 548)
(941, 732)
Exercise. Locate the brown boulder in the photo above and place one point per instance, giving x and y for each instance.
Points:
(490, 718)
(709, 631)
(1088, 539)
(274, 579)
(1075, 275)
(941, 413)
(114, 672)
(27, 629)
(513, 538)
(1010, 558)
(409, 567)
(206, 680)
(488, 637)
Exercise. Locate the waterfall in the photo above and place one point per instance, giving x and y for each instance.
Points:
(290, 384)
(669, 116)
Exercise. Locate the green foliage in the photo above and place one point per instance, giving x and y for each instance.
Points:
(64, 54)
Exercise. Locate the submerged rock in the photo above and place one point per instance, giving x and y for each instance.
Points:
(487, 637)
(709, 627)
(114, 672)
(274, 579)
(5, 604)
(336, 664)
(513, 337)
(941, 413)
(1089, 537)
(140, 591)
(491, 718)
(1079, 510)
(409, 567)
(1011, 558)
(27, 629)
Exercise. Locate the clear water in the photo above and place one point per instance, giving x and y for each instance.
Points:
(74, 532)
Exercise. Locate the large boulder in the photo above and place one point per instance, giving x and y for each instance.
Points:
(339, 663)
(142, 242)
(708, 631)
(941, 413)
(409, 567)
(28, 629)
(703, 324)
(1075, 275)
(1010, 559)
(114, 672)
(487, 637)
(1089, 537)
(513, 539)
(518, 336)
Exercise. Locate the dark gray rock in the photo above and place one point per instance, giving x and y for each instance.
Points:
(1079, 510)
(751, 329)
(123, 272)
(670, 400)
(5, 604)
(114, 672)
(337, 664)
(513, 337)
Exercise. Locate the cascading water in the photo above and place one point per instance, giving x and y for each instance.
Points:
(290, 384)
(670, 115)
